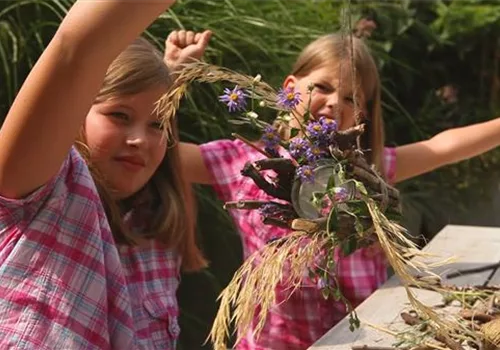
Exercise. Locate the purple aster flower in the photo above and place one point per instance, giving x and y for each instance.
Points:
(270, 138)
(298, 147)
(341, 194)
(320, 131)
(329, 125)
(305, 173)
(315, 129)
(322, 283)
(273, 152)
(234, 99)
(313, 153)
(288, 98)
(269, 209)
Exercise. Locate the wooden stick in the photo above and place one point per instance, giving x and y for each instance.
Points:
(249, 143)
(472, 271)
(278, 192)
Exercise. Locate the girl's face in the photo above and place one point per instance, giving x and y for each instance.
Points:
(331, 97)
(126, 140)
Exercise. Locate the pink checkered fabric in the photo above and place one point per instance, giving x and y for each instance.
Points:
(66, 285)
(300, 320)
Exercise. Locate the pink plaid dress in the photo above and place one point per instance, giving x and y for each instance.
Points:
(66, 285)
(298, 322)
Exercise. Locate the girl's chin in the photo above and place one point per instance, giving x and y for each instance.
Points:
(121, 192)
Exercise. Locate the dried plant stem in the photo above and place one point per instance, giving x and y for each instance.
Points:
(396, 246)
(255, 282)
(207, 73)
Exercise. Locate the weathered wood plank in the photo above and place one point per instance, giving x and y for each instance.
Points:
(472, 246)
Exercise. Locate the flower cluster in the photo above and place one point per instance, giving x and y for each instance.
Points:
(306, 149)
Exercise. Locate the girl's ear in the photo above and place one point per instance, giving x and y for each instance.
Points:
(290, 81)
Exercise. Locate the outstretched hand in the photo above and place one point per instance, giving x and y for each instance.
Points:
(183, 46)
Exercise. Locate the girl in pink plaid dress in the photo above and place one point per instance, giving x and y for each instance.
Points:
(95, 218)
(297, 321)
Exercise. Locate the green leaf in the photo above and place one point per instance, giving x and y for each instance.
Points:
(361, 187)
(331, 183)
(325, 292)
(358, 226)
(317, 198)
(332, 222)
(349, 245)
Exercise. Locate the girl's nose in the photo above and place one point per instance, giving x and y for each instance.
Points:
(333, 100)
(334, 105)
(136, 137)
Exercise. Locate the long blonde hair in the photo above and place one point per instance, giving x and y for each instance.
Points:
(166, 199)
(334, 49)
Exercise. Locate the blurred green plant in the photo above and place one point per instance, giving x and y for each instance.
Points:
(439, 62)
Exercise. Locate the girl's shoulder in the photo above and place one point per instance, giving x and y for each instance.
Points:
(62, 228)
(66, 206)
(72, 179)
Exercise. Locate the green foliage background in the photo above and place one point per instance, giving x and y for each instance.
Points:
(420, 46)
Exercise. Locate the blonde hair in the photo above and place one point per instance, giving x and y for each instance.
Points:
(335, 49)
(166, 199)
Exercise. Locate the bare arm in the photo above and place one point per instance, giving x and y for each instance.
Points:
(448, 147)
(193, 165)
(55, 98)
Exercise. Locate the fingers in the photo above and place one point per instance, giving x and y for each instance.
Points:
(183, 38)
(189, 38)
(172, 38)
(204, 38)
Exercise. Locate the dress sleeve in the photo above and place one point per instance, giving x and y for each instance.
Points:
(224, 160)
(390, 163)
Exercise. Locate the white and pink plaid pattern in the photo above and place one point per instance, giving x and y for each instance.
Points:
(66, 285)
(298, 322)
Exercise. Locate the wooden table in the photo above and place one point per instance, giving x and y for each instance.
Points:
(472, 246)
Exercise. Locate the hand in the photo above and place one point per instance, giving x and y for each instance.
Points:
(183, 46)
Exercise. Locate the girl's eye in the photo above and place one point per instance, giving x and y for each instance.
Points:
(323, 87)
(156, 125)
(349, 99)
(119, 115)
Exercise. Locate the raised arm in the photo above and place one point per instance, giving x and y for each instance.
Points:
(181, 47)
(448, 147)
(193, 165)
(55, 98)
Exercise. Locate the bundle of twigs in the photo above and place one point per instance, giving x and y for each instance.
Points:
(310, 245)
(479, 319)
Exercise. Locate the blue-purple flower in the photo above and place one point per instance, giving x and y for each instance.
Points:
(322, 283)
(313, 153)
(315, 129)
(288, 98)
(340, 194)
(269, 209)
(305, 173)
(270, 137)
(298, 147)
(235, 99)
(273, 152)
(329, 125)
